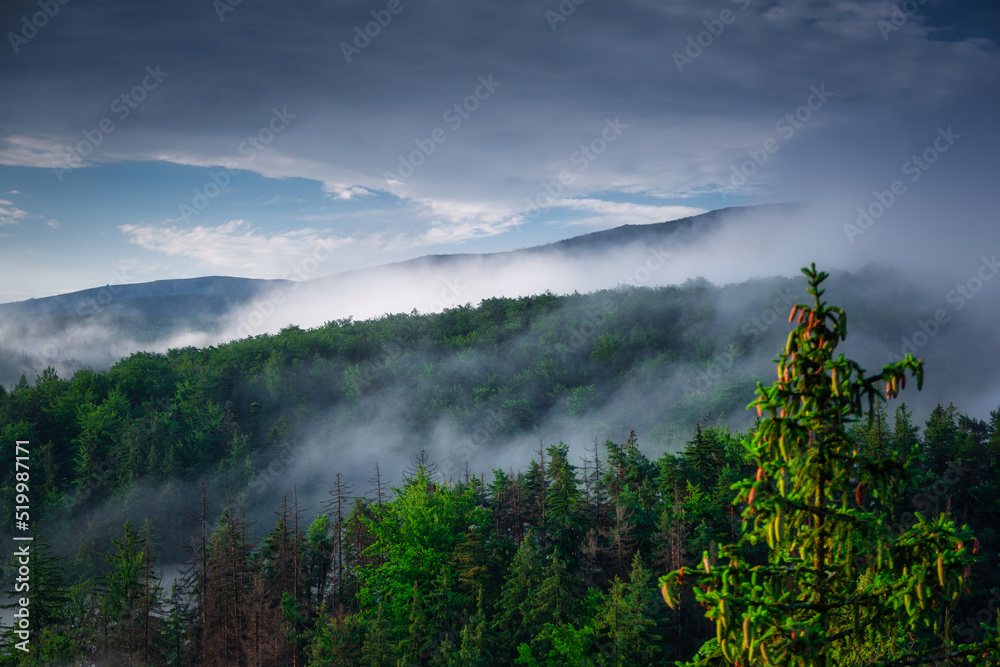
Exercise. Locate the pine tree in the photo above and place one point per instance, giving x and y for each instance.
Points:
(473, 650)
(416, 647)
(626, 635)
(379, 491)
(563, 519)
(536, 489)
(337, 506)
(940, 438)
(227, 633)
(336, 640)
(377, 650)
(177, 624)
(316, 558)
(874, 439)
(836, 587)
(555, 599)
(904, 433)
(132, 597)
(705, 457)
(993, 442)
(278, 585)
(523, 578)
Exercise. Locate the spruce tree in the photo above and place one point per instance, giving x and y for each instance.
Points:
(377, 649)
(626, 634)
(836, 587)
(523, 578)
(473, 650)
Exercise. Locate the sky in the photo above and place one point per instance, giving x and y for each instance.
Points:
(148, 140)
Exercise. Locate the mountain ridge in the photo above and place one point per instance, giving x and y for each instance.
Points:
(229, 291)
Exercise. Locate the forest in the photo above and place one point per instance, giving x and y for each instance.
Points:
(164, 536)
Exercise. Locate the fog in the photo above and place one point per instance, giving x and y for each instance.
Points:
(944, 312)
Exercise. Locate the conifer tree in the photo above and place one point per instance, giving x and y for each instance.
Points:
(626, 634)
(563, 520)
(836, 587)
(337, 640)
(940, 438)
(416, 646)
(704, 456)
(993, 442)
(337, 506)
(555, 599)
(473, 650)
(523, 578)
(316, 558)
(904, 433)
(132, 597)
(227, 634)
(377, 650)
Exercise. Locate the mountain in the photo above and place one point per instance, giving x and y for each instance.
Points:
(94, 327)
(213, 295)
(190, 297)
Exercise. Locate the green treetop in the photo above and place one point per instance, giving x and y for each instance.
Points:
(838, 587)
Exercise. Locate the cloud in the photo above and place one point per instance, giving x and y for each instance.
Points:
(346, 191)
(686, 129)
(453, 221)
(32, 151)
(354, 122)
(236, 247)
(10, 214)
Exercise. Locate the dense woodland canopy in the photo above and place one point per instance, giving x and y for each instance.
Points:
(554, 560)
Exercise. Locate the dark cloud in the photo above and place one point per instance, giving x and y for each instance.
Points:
(698, 85)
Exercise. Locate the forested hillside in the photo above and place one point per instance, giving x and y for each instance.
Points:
(210, 506)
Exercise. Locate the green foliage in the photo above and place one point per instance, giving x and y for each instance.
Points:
(836, 587)
(508, 364)
(414, 539)
(548, 563)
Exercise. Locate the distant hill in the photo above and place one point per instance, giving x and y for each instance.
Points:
(211, 295)
(653, 233)
(99, 325)
(184, 298)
